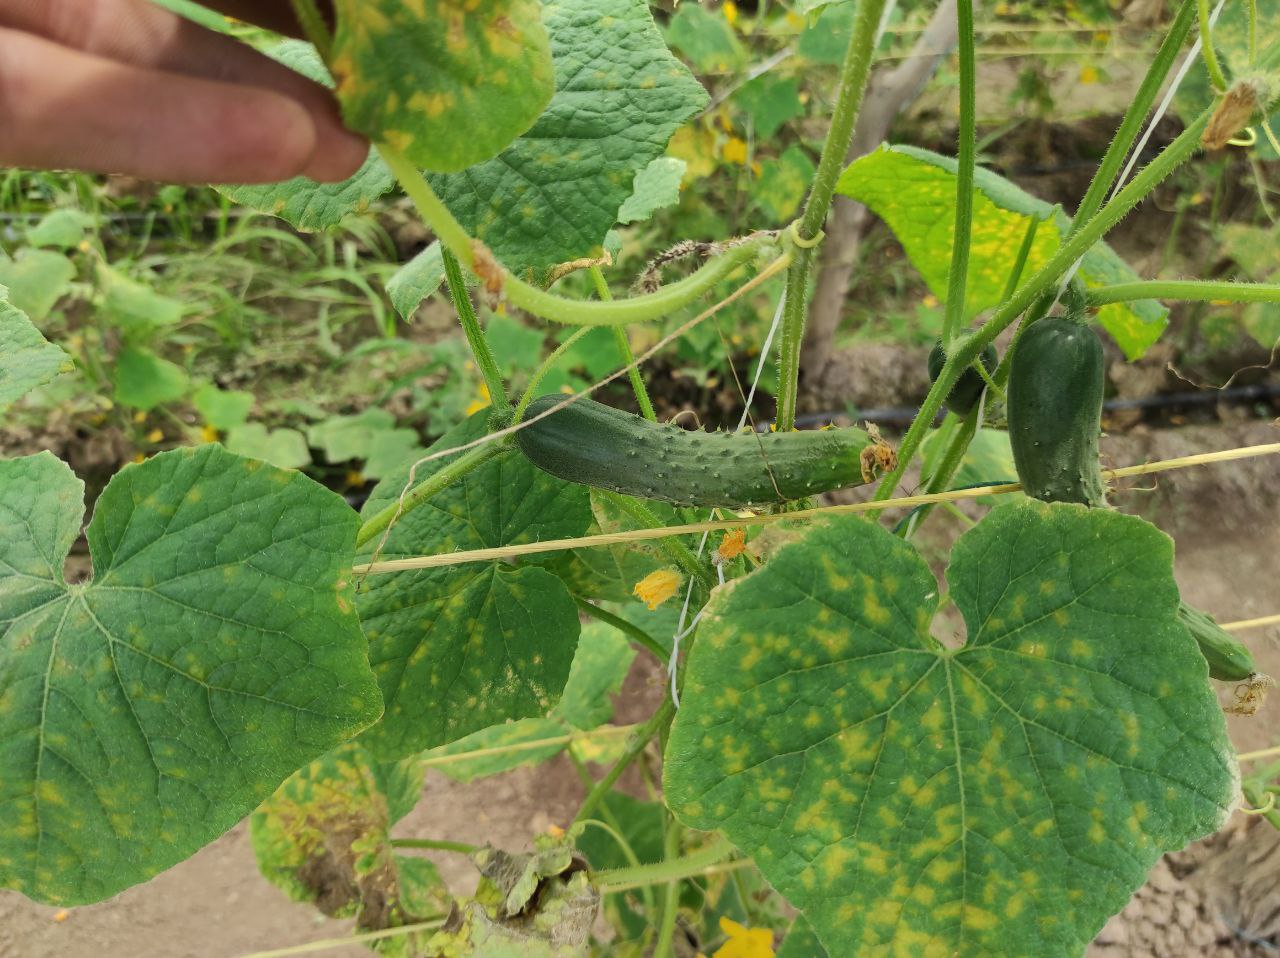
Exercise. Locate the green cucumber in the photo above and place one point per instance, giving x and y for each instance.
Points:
(1056, 381)
(969, 386)
(1228, 659)
(600, 446)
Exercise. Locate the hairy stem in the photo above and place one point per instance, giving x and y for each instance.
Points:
(1210, 55)
(480, 350)
(970, 349)
(672, 870)
(635, 747)
(545, 367)
(435, 844)
(665, 946)
(438, 481)
(853, 83)
(961, 235)
(1188, 290)
(679, 553)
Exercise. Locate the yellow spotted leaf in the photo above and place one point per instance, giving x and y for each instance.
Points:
(1000, 797)
(215, 650)
(449, 83)
(914, 191)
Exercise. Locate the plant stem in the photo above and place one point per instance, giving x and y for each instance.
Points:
(853, 83)
(314, 27)
(437, 844)
(670, 895)
(634, 632)
(637, 309)
(624, 348)
(635, 746)
(1207, 51)
(672, 870)
(681, 554)
(971, 348)
(1134, 117)
(545, 367)
(949, 464)
(480, 350)
(961, 235)
(1192, 290)
(436, 482)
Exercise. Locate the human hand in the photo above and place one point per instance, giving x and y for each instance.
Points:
(123, 86)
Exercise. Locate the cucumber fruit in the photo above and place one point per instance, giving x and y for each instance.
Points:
(597, 445)
(969, 386)
(1228, 659)
(1056, 381)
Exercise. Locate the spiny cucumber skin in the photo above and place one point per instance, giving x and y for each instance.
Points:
(1056, 382)
(1229, 660)
(599, 446)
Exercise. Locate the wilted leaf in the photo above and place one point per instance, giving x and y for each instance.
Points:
(215, 650)
(1004, 797)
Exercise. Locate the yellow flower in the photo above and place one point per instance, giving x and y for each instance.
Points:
(730, 10)
(930, 300)
(731, 546)
(155, 435)
(735, 150)
(744, 942)
(208, 433)
(1088, 74)
(657, 587)
(481, 401)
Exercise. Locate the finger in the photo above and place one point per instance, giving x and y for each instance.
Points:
(142, 34)
(61, 108)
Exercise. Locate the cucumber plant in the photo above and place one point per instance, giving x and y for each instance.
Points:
(249, 644)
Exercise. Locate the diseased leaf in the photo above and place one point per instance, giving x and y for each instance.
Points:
(914, 191)
(705, 39)
(36, 280)
(215, 650)
(144, 380)
(1004, 797)
(417, 279)
(553, 195)
(783, 183)
(323, 838)
(27, 359)
(460, 648)
(801, 942)
(303, 203)
(447, 83)
(656, 186)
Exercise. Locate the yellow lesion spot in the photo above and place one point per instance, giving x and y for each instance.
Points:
(873, 610)
(979, 919)
(1042, 827)
(1062, 617)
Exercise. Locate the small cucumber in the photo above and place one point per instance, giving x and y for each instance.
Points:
(1056, 381)
(1228, 659)
(600, 446)
(969, 386)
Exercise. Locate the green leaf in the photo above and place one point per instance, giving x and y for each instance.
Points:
(460, 648)
(61, 229)
(783, 183)
(447, 83)
(323, 838)
(826, 38)
(196, 13)
(601, 664)
(36, 280)
(286, 448)
(656, 186)
(143, 380)
(705, 39)
(303, 203)
(801, 942)
(553, 195)
(27, 359)
(513, 343)
(523, 732)
(770, 101)
(371, 436)
(417, 279)
(222, 409)
(914, 192)
(1003, 797)
(215, 650)
(134, 308)
(390, 451)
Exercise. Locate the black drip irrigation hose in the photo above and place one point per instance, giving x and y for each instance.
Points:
(904, 415)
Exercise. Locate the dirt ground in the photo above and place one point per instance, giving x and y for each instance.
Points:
(215, 905)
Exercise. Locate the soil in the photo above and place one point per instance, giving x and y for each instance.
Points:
(215, 905)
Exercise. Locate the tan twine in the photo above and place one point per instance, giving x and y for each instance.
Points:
(641, 535)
